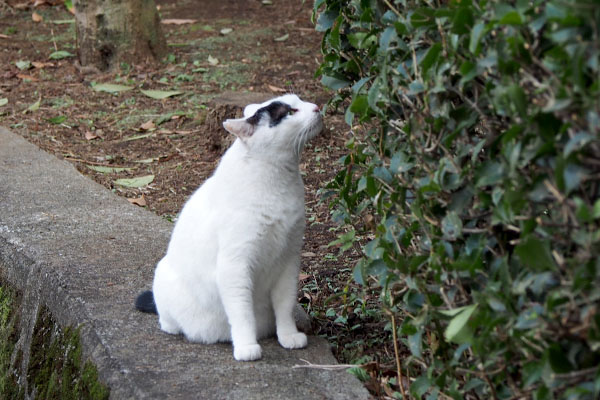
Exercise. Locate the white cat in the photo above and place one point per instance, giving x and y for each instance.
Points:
(231, 268)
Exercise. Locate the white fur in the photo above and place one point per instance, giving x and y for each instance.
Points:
(231, 268)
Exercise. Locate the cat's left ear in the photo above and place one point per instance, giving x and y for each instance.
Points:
(239, 127)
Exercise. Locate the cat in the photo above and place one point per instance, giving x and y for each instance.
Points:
(231, 269)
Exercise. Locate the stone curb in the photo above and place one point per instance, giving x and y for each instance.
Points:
(68, 243)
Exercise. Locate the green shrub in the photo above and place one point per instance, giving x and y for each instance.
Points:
(472, 181)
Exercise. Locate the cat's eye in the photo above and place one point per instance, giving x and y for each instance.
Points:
(292, 111)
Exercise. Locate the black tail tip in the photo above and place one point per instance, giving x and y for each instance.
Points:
(145, 302)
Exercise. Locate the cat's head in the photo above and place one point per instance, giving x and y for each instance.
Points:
(283, 123)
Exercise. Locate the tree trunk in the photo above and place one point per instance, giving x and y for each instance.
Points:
(113, 31)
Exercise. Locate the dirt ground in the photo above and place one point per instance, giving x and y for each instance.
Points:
(233, 50)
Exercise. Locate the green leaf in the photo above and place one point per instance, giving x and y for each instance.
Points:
(58, 119)
(35, 106)
(455, 330)
(108, 170)
(511, 18)
(420, 386)
(559, 363)
(535, 253)
(161, 94)
(359, 105)
(415, 344)
(23, 65)
(112, 88)
(334, 83)
(431, 57)
(282, 38)
(452, 226)
(3, 101)
(60, 54)
(476, 35)
(140, 181)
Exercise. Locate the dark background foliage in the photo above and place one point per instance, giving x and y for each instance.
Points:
(471, 183)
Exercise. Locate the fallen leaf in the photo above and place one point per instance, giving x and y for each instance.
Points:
(276, 89)
(148, 125)
(90, 136)
(3, 102)
(59, 119)
(135, 182)
(111, 88)
(136, 137)
(23, 65)
(267, 2)
(108, 170)
(212, 60)
(308, 254)
(27, 77)
(36, 17)
(303, 277)
(35, 106)
(60, 54)
(161, 94)
(3, 36)
(140, 201)
(282, 38)
(41, 65)
(177, 21)
(226, 31)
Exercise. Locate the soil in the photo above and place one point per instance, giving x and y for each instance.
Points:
(234, 52)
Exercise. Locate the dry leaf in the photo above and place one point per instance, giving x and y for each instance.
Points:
(308, 254)
(148, 125)
(276, 89)
(90, 135)
(303, 277)
(36, 17)
(41, 65)
(3, 36)
(140, 201)
(177, 21)
(38, 3)
(27, 77)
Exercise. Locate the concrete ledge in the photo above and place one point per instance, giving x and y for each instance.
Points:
(70, 244)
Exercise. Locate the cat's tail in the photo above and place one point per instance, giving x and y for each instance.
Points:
(145, 302)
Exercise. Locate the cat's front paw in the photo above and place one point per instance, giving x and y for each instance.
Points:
(248, 352)
(293, 341)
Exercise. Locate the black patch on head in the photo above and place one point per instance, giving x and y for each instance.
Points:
(276, 111)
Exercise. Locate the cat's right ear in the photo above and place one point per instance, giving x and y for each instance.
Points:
(239, 127)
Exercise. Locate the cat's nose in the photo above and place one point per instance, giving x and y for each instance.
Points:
(316, 109)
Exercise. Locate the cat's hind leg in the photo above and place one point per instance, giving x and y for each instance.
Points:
(283, 297)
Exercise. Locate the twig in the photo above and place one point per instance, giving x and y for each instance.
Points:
(396, 353)
(327, 367)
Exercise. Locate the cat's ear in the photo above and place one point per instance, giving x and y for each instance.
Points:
(250, 110)
(239, 127)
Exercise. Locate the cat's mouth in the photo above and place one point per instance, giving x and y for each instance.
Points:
(316, 127)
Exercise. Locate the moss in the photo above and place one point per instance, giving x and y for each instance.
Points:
(9, 328)
(56, 370)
